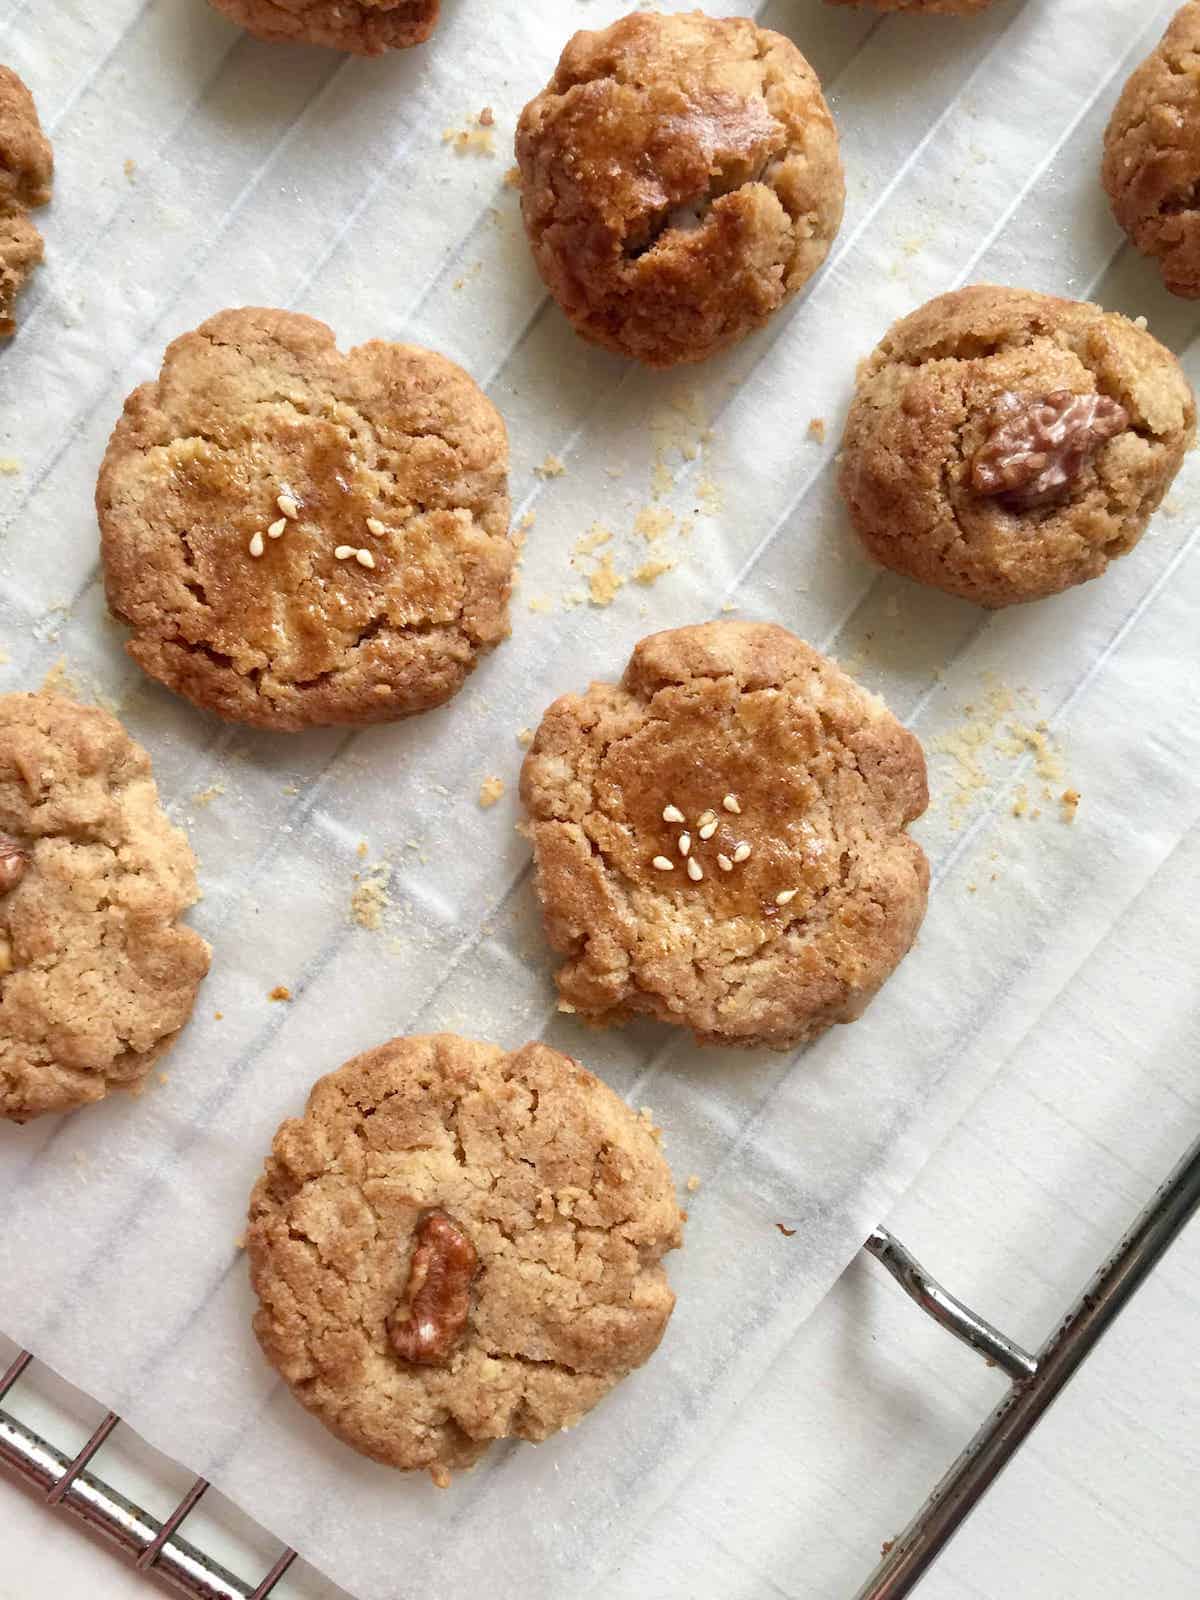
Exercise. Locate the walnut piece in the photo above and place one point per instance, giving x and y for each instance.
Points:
(443, 1266)
(13, 861)
(1039, 444)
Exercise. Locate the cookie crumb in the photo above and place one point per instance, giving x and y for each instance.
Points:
(477, 138)
(440, 1477)
(9, 466)
(551, 467)
(370, 902)
(240, 1242)
(512, 178)
(596, 536)
(525, 737)
(130, 168)
(650, 571)
(280, 992)
(205, 797)
(362, 850)
(652, 522)
(541, 603)
(605, 583)
(490, 790)
(816, 430)
(1069, 802)
(164, 1078)
(787, 1233)
(218, 1016)
(487, 117)
(693, 1184)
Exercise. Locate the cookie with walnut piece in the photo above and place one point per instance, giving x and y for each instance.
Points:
(680, 180)
(26, 173)
(299, 537)
(1004, 445)
(720, 838)
(457, 1244)
(360, 27)
(97, 974)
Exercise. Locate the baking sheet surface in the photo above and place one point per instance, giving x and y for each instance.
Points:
(198, 168)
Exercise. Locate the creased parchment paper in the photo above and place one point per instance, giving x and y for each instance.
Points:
(199, 169)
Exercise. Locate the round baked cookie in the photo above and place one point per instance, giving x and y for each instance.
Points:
(97, 975)
(26, 173)
(680, 180)
(299, 537)
(1004, 445)
(457, 1244)
(361, 27)
(1151, 166)
(719, 838)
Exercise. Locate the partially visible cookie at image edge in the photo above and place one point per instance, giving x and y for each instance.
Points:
(680, 181)
(299, 537)
(719, 839)
(920, 8)
(457, 1244)
(97, 974)
(1004, 445)
(360, 27)
(26, 174)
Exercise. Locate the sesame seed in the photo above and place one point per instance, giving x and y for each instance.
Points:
(256, 545)
(672, 814)
(275, 531)
(344, 552)
(685, 843)
(287, 504)
(364, 558)
(731, 803)
(709, 828)
(784, 896)
(663, 864)
(695, 871)
(725, 864)
(376, 527)
(706, 817)
(742, 852)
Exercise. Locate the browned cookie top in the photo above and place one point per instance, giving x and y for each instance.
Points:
(96, 974)
(719, 838)
(456, 1244)
(26, 173)
(1003, 444)
(680, 180)
(1151, 168)
(299, 537)
(362, 27)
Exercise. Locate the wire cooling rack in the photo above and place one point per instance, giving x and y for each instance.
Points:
(157, 1546)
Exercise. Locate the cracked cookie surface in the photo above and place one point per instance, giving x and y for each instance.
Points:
(560, 1191)
(680, 180)
(97, 975)
(1151, 166)
(734, 751)
(360, 27)
(26, 174)
(927, 403)
(299, 537)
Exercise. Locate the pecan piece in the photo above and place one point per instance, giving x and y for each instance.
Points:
(1039, 444)
(443, 1266)
(13, 861)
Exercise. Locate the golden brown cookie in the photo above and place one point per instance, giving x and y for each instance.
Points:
(456, 1244)
(361, 27)
(299, 537)
(26, 173)
(920, 8)
(96, 974)
(719, 838)
(1151, 168)
(1004, 445)
(680, 180)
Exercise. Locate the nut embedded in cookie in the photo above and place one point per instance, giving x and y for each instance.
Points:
(1004, 445)
(510, 1201)
(360, 27)
(26, 173)
(1151, 166)
(680, 180)
(97, 974)
(299, 537)
(720, 838)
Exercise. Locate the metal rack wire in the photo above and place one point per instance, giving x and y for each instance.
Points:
(158, 1546)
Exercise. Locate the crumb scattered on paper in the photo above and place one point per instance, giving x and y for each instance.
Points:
(487, 117)
(9, 466)
(370, 900)
(512, 178)
(440, 1477)
(280, 992)
(205, 797)
(551, 467)
(130, 168)
(605, 582)
(693, 1184)
(816, 430)
(490, 790)
(650, 571)
(476, 138)
(525, 737)
(1068, 801)
(991, 734)
(541, 603)
(787, 1233)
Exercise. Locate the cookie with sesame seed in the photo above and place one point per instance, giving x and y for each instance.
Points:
(719, 839)
(299, 537)
(26, 173)
(457, 1244)
(97, 974)
(360, 27)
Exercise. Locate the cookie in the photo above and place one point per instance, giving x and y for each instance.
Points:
(719, 838)
(456, 1244)
(361, 27)
(96, 974)
(299, 537)
(680, 180)
(1004, 445)
(26, 173)
(920, 8)
(1151, 165)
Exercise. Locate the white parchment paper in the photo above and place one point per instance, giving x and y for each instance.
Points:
(199, 169)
